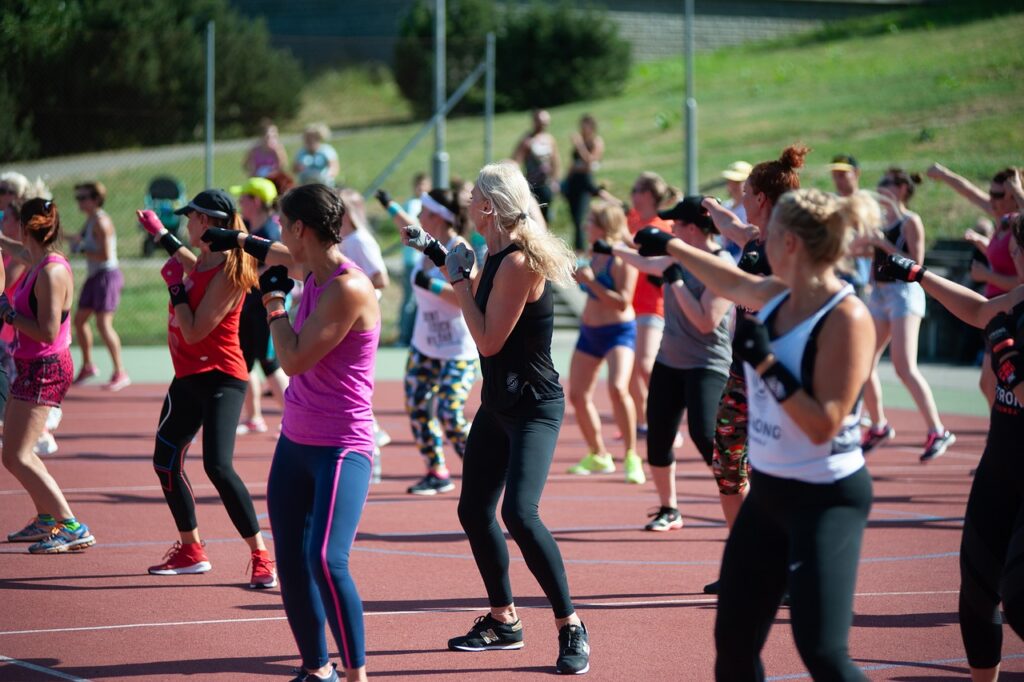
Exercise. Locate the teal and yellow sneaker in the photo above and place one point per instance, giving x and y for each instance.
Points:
(36, 530)
(594, 464)
(64, 539)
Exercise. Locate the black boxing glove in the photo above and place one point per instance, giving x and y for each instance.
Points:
(652, 241)
(753, 346)
(901, 268)
(672, 274)
(601, 246)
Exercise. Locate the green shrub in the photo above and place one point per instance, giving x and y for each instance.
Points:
(545, 55)
(92, 74)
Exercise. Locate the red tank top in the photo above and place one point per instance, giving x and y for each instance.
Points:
(219, 350)
(999, 258)
(647, 297)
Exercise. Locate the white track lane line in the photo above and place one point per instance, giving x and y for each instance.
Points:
(40, 669)
(589, 604)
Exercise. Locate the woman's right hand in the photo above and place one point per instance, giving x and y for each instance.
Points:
(416, 237)
(151, 223)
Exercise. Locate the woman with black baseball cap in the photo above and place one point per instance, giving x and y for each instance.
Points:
(693, 360)
(209, 384)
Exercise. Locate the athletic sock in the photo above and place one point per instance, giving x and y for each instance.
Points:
(48, 519)
(71, 524)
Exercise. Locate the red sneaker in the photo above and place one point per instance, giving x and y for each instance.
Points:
(264, 575)
(181, 559)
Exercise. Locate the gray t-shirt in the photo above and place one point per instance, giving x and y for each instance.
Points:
(683, 346)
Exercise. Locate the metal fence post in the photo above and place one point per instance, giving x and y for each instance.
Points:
(489, 102)
(691, 106)
(209, 102)
(440, 169)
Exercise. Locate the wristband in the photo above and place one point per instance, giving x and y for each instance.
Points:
(276, 314)
(170, 243)
(394, 208)
(257, 247)
(779, 381)
(436, 286)
(178, 294)
(271, 295)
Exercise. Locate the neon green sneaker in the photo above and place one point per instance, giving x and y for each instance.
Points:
(634, 467)
(594, 464)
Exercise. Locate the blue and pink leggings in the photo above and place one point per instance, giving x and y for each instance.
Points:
(315, 497)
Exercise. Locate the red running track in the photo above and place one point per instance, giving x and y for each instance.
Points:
(97, 615)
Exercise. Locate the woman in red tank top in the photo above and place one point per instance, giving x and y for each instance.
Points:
(209, 385)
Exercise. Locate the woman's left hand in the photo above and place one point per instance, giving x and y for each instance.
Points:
(979, 272)
(584, 275)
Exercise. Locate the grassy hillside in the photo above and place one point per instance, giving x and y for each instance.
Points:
(948, 89)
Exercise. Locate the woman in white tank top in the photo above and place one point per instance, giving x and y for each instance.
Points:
(808, 355)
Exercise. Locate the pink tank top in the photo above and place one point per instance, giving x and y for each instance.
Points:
(999, 258)
(332, 402)
(28, 348)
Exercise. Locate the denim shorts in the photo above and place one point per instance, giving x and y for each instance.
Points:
(653, 321)
(894, 300)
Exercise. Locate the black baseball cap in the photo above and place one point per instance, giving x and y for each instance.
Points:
(690, 210)
(215, 203)
(843, 162)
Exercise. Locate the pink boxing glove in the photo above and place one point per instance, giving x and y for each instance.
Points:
(173, 272)
(151, 223)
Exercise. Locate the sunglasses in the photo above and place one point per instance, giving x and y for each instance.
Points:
(996, 195)
(889, 182)
(83, 197)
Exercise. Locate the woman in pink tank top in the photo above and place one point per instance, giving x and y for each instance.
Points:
(39, 315)
(321, 470)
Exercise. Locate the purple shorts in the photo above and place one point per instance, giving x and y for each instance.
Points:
(102, 291)
(45, 380)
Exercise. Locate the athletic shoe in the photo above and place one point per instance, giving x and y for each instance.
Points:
(63, 539)
(377, 471)
(119, 381)
(53, 419)
(712, 588)
(46, 445)
(264, 575)
(875, 435)
(431, 484)
(666, 518)
(489, 634)
(936, 445)
(303, 676)
(573, 650)
(380, 436)
(678, 441)
(87, 372)
(251, 426)
(634, 467)
(181, 559)
(36, 530)
(641, 432)
(594, 464)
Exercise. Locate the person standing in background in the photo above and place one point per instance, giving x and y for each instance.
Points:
(537, 154)
(101, 292)
(267, 156)
(587, 152)
(845, 173)
(735, 175)
(317, 161)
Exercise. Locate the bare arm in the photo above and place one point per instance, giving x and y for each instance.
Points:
(15, 248)
(966, 304)
(513, 284)
(649, 266)
(725, 279)
(347, 303)
(625, 281)
(845, 356)
(217, 302)
(52, 288)
(729, 224)
(962, 186)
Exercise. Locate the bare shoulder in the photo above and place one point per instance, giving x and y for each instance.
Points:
(849, 320)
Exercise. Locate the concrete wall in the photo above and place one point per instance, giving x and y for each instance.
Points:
(330, 32)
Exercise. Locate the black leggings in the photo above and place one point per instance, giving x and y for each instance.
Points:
(806, 537)
(213, 401)
(254, 335)
(992, 551)
(513, 451)
(670, 393)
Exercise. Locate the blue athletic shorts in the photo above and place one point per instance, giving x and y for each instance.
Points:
(597, 341)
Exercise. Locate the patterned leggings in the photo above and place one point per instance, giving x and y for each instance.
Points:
(450, 382)
(729, 462)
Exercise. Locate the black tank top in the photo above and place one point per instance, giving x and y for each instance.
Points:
(523, 365)
(894, 235)
(753, 260)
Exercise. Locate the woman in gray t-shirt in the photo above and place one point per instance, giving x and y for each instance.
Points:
(693, 361)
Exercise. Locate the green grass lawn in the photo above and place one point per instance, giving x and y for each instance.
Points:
(948, 92)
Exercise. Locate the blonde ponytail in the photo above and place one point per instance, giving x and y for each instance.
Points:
(826, 223)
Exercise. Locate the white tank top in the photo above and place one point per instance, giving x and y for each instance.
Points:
(777, 446)
(89, 243)
(440, 331)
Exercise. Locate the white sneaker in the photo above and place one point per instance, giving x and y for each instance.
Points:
(53, 419)
(381, 436)
(46, 445)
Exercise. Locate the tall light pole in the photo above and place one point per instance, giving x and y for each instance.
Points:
(691, 104)
(440, 165)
